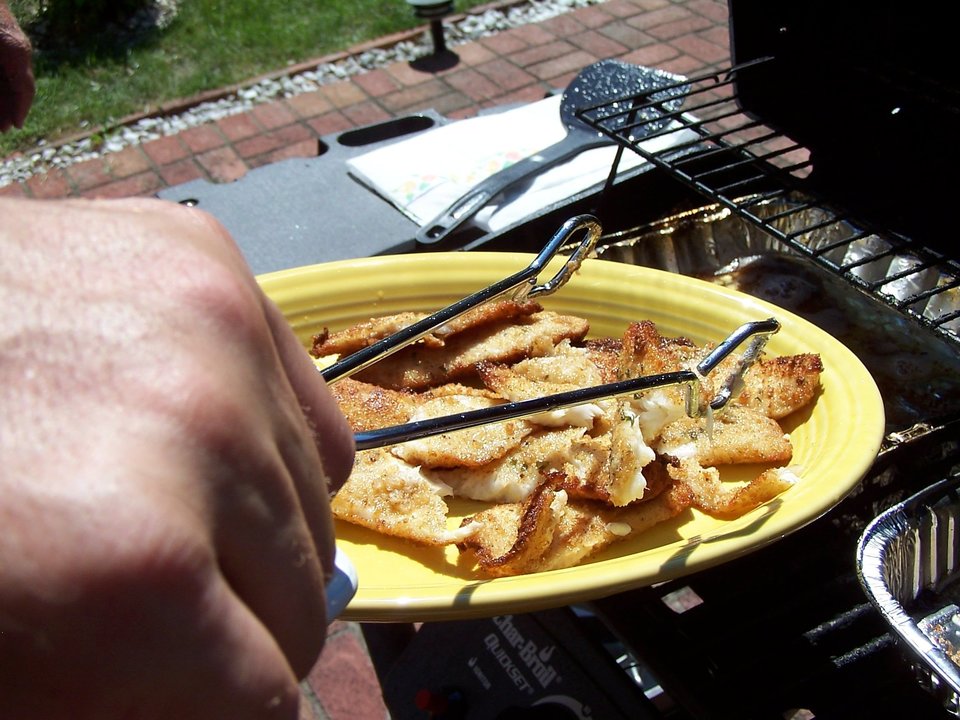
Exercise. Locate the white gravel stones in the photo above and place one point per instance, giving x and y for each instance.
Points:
(45, 157)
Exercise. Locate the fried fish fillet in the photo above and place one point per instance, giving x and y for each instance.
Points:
(566, 369)
(567, 458)
(606, 466)
(781, 385)
(366, 333)
(568, 483)
(605, 355)
(585, 529)
(735, 436)
(709, 494)
(514, 477)
(417, 367)
(511, 539)
(370, 407)
(582, 469)
(629, 455)
(448, 389)
(775, 386)
(549, 531)
(363, 334)
(387, 495)
(646, 352)
(470, 448)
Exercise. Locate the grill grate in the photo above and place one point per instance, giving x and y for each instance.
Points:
(742, 164)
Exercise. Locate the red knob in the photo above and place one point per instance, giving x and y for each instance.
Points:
(431, 702)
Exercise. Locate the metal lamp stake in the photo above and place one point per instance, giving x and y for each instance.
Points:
(434, 11)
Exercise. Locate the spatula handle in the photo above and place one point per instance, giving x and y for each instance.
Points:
(478, 197)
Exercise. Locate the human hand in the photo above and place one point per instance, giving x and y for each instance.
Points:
(17, 86)
(167, 451)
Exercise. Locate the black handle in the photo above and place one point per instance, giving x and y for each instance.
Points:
(478, 197)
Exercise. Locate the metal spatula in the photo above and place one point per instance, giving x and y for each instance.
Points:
(600, 83)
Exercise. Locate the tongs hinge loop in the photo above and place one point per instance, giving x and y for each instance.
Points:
(520, 286)
(592, 230)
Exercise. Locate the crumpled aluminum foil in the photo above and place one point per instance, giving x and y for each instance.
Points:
(700, 241)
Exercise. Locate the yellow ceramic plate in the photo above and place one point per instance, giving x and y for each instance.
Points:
(835, 443)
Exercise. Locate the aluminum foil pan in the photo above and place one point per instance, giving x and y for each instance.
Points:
(908, 562)
(867, 260)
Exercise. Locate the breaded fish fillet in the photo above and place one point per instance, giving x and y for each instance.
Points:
(389, 496)
(629, 455)
(605, 354)
(735, 436)
(370, 407)
(471, 448)
(514, 477)
(585, 528)
(417, 367)
(567, 483)
(512, 539)
(370, 331)
(781, 385)
(549, 531)
(582, 468)
(646, 352)
(775, 386)
(567, 368)
(709, 494)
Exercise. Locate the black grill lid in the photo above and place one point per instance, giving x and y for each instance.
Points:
(870, 88)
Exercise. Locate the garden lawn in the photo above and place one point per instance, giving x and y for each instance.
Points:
(210, 44)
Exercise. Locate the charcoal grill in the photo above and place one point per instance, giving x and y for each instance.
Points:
(820, 178)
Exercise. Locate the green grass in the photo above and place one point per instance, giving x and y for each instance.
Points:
(210, 44)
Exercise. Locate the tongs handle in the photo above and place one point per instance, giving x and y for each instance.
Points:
(418, 429)
(524, 408)
(522, 285)
(480, 195)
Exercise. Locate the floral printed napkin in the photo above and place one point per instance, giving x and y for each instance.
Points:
(424, 174)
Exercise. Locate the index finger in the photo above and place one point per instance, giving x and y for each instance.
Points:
(332, 434)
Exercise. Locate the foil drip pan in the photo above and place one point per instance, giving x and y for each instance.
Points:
(917, 371)
(925, 288)
(907, 563)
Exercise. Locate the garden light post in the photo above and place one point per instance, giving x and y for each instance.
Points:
(434, 11)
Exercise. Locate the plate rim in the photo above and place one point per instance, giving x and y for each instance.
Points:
(511, 594)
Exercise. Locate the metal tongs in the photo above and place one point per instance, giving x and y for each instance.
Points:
(523, 285)
(520, 286)
(760, 331)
